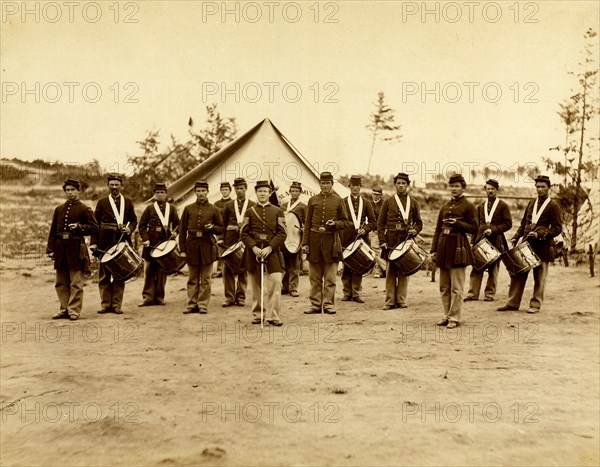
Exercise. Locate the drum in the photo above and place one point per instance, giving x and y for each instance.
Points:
(122, 261)
(233, 256)
(166, 254)
(520, 259)
(484, 254)
(359, 257)
(293, 240)
(408, 257)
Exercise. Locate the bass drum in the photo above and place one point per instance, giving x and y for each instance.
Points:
(408, 257)
(484, 254)
(232, 257)
(122, 261)
(520, 259)
(359, 257)
(293, 241)
(166, 254)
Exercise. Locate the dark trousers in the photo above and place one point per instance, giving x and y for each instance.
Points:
(111, 290)
(291, 276)
(154, 282)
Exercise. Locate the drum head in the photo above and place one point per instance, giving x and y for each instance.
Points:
(294, 232)
(113, 252)
(163, 249)
(232, 248)
(400, 250)
(350, 249)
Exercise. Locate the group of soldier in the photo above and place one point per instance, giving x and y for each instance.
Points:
(329, 224)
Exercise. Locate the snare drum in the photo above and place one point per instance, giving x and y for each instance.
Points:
(293, 240)
(166, 254)
(122, 261)
(408, 257)
(520, 259)
(232, 257)
(484, 254)
(359, 257)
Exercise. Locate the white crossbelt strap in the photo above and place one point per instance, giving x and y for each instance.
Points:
(356, 217)
(292, 206)
(488, 217)
(239, 216)
(120, 214)
(403, 212)
(535, 214)
(164, 220)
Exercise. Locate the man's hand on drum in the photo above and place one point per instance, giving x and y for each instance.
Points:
(361, 232)
(173, 236)
(220, 242)
(305, 249)
(182, 254)
(532, 235)
(146, 243)
(126, 230)
(383, 246)
(93, 248)
(487, 232)
(412, 232)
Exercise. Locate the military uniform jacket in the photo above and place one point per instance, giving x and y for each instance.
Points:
(392, 228)
(377, 207)
(501, 222)
(222, 203)
(232, 228)
(151, 228)
(68, 246)
(321, 238)
(451, 243)
(197, 243)
(108, 233)
(264, 226)
(548, 226)
(367, 221)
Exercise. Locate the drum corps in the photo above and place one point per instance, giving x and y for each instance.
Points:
(268, 244)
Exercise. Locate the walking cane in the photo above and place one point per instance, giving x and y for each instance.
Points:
(262, 291)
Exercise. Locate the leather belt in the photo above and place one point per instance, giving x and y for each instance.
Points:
(109, 226)
(232, 227)
(67, 236)
(197, 233)
(319, 231)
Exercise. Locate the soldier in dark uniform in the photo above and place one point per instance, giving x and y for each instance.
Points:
(377, 195)
(263, 233)
(291, 276)
(363, 221)
(159, 222)
(117, 221)
(200, 222)
(225, 198)
(233, 217)
(325, 217)
(540, 224)
(451, 249)
(493, 216)
(66, 246)
(399, 219)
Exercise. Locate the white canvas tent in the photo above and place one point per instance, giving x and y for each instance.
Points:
(262, 153)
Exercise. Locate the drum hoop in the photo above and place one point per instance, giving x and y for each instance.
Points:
(163, 251)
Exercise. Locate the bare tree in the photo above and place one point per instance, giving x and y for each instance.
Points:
(382, 122)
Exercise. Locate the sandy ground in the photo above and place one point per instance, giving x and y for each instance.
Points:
(363, 387)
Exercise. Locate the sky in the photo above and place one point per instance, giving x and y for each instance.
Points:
(471, 83)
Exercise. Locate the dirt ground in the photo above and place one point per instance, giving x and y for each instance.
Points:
(364, 387)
